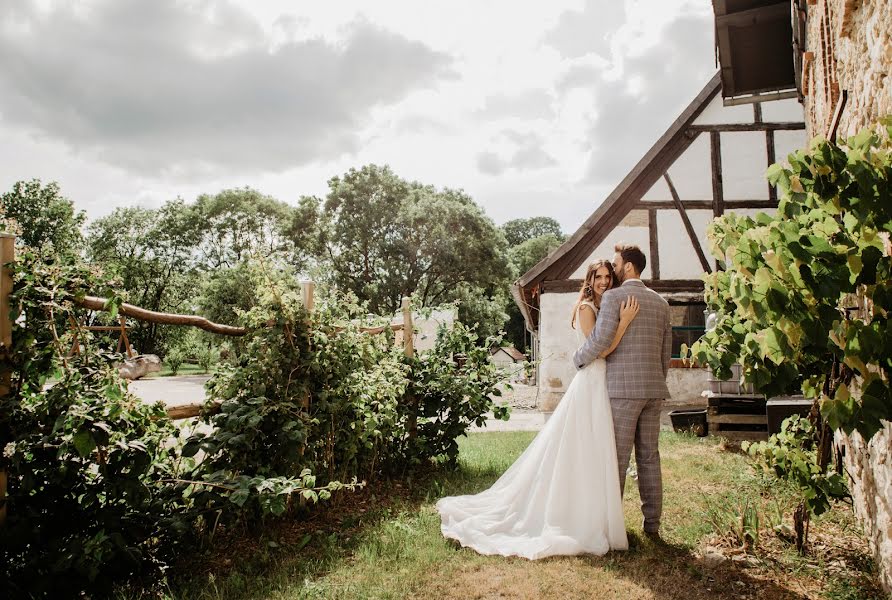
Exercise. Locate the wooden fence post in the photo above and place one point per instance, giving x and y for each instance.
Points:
(7, 255)
(409, 350)
(408, 329)
(307, 288)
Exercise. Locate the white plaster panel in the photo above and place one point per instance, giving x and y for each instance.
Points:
(678, 259)
(783, 111)
(744, 161)
(658, 191)
(716, 113)
(557, 341)
(786, 142)
(627, 235)
(691, 173)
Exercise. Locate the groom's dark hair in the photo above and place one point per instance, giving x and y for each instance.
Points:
(632, 254)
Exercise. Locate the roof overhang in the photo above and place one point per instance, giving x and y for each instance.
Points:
(756, 50)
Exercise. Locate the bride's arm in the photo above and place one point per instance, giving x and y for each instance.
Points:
(587, 319)
(627, 313)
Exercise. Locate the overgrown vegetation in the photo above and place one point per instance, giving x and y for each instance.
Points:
(803, 302)
(102, 486)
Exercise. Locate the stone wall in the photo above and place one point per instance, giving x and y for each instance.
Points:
(852, 45)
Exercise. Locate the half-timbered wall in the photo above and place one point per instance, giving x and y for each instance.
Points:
(722, 170)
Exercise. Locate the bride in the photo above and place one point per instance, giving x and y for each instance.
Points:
(562, 496)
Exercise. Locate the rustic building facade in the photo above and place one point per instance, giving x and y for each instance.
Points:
(839, 65)
(710, 161)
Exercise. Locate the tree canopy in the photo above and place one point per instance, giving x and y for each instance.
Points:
(43, 216)
(518, 231)
(387, 238)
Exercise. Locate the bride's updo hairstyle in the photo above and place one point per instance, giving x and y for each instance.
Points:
(587, 291)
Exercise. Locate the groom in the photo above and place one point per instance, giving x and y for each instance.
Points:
(636, 377)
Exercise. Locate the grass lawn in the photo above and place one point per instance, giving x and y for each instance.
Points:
(384, 542)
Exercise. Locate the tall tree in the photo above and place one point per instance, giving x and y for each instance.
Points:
(240, 223)
(518, 231)
(152, 252)
(527, 254)
(388, 238)
(43, 216)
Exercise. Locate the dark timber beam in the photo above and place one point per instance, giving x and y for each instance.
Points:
(718, 193)
(654, 244)
(748, 127)
(687, 224)
(658, 285)
(704, 204)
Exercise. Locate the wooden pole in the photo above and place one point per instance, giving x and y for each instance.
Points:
(307, 289)
(409, 350)
(7, 256)
(408, 329)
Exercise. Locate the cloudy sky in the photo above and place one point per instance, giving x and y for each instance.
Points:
(534, 108)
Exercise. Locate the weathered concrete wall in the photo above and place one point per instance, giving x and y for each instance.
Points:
(852, 45)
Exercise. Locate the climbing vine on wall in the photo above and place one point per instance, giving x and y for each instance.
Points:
(805, 295)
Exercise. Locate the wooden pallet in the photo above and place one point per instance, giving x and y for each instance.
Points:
(737, 417)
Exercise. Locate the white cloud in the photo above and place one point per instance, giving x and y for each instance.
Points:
(532, 108)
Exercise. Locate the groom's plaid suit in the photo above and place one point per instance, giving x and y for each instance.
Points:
(636, 383)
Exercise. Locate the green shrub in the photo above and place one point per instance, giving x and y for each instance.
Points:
(174, 360)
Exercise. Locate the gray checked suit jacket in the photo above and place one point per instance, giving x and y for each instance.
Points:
(638, 367)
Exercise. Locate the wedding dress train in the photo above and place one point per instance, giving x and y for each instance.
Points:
(562, 496)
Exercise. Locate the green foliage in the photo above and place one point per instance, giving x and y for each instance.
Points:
(84, 458)
(174, 360)
(100, 487)
(528, 253)
(518, 231)
(207, 356)
(312, 390)
(453, 387)
(781, 299)
(43, 216)
(792, 456)
(151, 254)
(387, 238)
(238, 224)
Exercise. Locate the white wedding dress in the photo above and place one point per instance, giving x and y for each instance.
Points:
(561, 497)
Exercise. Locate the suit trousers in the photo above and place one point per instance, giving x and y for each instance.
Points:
(637, 423)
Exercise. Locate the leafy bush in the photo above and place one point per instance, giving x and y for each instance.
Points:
(85, 460)
(101, 485)
(207, 356)
(789, 277)
(174, 360)
(453, 386)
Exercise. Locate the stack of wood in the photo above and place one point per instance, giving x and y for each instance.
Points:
(737, 417)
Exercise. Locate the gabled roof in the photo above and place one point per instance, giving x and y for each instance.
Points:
(511, 351)
(563, 261)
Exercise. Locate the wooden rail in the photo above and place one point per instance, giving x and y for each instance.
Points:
(142, 314)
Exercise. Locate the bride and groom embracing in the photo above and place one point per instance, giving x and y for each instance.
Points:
(563, 496)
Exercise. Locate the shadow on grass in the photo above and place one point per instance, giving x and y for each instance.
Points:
(384, 542)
